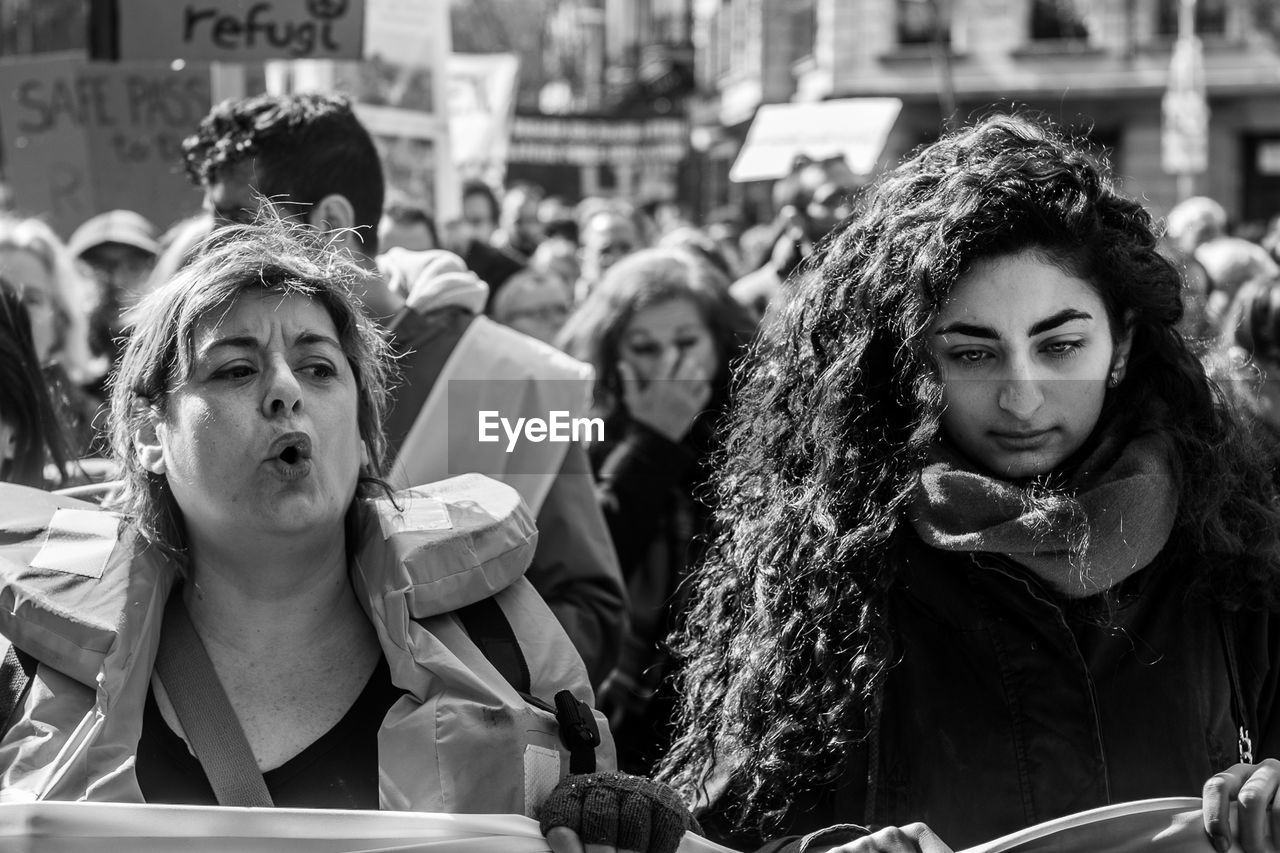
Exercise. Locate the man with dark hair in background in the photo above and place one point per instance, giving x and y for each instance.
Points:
(519, 226)
(310, 158)
(480, 212)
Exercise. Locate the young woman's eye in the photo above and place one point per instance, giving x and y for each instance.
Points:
(971, 357)
(322, 370)
(644, 349)
(687, 343)
(1063, 349)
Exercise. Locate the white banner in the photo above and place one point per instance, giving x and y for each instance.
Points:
(123, 828)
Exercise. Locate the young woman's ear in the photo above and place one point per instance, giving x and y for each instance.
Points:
(147, 444)
(1120, 358)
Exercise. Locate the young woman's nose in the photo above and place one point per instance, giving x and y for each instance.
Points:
(284, 392)
(1020, 393)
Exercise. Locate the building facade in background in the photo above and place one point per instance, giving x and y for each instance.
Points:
(615, 80)
(1098, 66)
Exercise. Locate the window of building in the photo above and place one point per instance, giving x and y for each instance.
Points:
(921, 22)
(804, 27)
(1210, 17)
(1058, 20)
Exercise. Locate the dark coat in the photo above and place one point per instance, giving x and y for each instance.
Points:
(1008, 705)
(648, 486)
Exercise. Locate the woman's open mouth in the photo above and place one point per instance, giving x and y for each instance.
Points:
(290, 455)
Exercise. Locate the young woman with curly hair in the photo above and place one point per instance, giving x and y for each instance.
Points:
(991, 548)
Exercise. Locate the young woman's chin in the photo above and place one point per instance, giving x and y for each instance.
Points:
(1006, 464)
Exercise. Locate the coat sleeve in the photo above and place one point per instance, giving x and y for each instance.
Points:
(576, 570)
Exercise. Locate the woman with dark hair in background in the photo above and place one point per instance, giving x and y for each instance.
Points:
(31, 441)
(991, 547)
(662, 333)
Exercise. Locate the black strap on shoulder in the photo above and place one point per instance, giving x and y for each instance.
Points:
(1244, 742)
(489, 628)
(16, 672)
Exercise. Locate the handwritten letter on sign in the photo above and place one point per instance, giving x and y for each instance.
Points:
(240, 30)
(81, 138)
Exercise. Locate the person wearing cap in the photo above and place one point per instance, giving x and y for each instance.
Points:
(118, 250)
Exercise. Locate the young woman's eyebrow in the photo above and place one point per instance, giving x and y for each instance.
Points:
(969, 329)
(1065, 316)
(1038, 328)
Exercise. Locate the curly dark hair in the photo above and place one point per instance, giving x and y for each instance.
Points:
(303, 147)
(788, 639)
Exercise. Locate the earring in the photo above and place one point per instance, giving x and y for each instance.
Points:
(1114, 379)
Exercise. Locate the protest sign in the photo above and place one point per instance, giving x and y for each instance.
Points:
(237, 30)
(81, 137)
(482, 92)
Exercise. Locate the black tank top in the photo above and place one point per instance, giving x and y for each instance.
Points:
(337, 771)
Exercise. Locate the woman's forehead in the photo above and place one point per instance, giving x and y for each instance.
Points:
(262, 315)
(1015, 291)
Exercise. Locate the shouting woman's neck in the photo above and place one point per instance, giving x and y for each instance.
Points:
(252, 599)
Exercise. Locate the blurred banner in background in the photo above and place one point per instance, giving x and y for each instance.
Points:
(83, 137)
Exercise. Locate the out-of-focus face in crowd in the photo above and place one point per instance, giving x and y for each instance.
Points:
(606, 238)
(35, 282)
(669, 332)
(479, 215)
(533, 302)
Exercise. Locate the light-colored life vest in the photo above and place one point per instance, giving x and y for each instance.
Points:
(82, 593)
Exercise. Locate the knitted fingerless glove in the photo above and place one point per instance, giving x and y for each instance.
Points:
(626, 812)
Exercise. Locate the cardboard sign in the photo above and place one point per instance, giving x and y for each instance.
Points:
(81, 138)
(240, 30)
(482, 97)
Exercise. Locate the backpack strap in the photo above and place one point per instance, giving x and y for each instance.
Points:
(16, 672)
(202, 706)
(489, 628)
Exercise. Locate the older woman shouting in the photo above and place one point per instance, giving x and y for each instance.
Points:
(353, 649)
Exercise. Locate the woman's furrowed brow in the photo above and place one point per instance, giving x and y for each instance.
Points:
(973, 330)
(1053, 322)
(970, 329)
(308, 337)
(230, 342)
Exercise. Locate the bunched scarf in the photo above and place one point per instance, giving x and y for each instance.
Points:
(1111, 518)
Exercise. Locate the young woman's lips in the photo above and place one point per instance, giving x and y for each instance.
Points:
(1021, 441)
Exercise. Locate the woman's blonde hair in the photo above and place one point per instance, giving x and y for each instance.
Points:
(70, 288)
